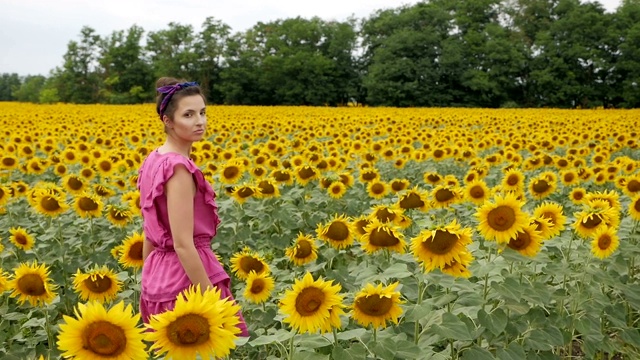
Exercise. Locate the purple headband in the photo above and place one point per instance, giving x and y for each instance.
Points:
(169, 90)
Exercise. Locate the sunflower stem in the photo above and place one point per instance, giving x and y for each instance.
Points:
(47, 325)
(335, 337)
(416, 331)
(291, 347)
(64, 270)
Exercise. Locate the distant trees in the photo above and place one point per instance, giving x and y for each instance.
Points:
(480, 53)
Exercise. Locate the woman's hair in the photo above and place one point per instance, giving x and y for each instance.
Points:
(170, 107)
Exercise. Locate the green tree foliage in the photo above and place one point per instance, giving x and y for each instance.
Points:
(480, 53)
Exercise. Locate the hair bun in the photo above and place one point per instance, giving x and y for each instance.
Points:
(164, 81)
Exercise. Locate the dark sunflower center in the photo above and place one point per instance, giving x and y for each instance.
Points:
(344, 179)
(374, 305)
(563, 163)
(440, 243)
(444, 195)
(377, 189)
(245, 192)
(75, 183)
(309, 301)
(281, 176)
(258, 171)
(105, 165)
(189, 330)
(433, 177)
(257, 286)
(633, 186)
(411, 201)
(336, 189)
(86, 173)
(438, 153)
(501, 218)
(266, 187)
(231, 172)
(118, 215)
(31, 284)
(337, 231)
(636, 205)
(20, 239)
(104, 338)
(604, 242)
(306, 173)
(384, 215)
(397, 185)
(98, 283)
(382, 238)
(87, 204)
(540, 186)
(477, 192)
(7, 161)
(49, 203)
(568, 177)
(578, 195)
(361, 224)
(249, 263)
(303, 249)
(551, 217)
(513, 180)
(102, 191)
(592, 221)
(521, 241)
(135, 252)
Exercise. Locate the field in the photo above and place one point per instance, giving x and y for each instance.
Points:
(349, 233)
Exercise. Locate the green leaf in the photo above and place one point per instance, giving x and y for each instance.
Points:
(407, 350)
(351, 334)
(540, 339)
(397, 271)
(477, 353)
(306, 355)
(314, 341)
(631, 336)
(495, 322)
(513, 352)
(339, 353)
(440, 301)
(417, 312)
(508, 289)
(452, 328)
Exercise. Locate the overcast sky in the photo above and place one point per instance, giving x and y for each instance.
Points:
(35, 33)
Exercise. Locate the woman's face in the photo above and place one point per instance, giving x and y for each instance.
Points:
(190, 119)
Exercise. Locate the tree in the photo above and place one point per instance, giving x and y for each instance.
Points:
(30, 89)
(211, 47)
(8, 84)
(173, 52)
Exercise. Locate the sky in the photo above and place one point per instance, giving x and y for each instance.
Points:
(35, 33)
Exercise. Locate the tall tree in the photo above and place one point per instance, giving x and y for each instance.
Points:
(8, 84)
(30, 89)
(173, 52)
(211, 47)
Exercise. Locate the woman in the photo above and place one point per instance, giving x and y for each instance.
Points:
(179, 211)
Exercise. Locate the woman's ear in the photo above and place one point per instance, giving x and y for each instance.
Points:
(166, 121)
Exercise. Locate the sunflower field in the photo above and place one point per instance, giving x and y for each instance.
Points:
(349, 233)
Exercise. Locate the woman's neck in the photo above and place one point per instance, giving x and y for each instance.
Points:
(173, 145)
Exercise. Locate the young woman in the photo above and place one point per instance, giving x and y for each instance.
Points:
(179, 211)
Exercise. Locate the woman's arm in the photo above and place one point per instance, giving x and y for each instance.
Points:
(147, 248)
(180, 190)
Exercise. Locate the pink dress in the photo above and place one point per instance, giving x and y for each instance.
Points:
(163, 276)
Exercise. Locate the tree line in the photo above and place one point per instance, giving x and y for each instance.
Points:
(436, 53)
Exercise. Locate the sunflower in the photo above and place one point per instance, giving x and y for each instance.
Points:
(21, 239)
(477, 192)
(432, 178)
(4, 281)
(337, 189)
(243, 192)
(133, 199)
(118, 215)
(259, 287)
(31, 282)
(98, 333)
(380, 236)
(308, 304)
(359, 224)
(612, 197)
(386, 214)
(398, 185)
(231, 172)
(513, 180)
(131, 251)
(634, 208)
(414, 199)
(460, 267)
(375, 305)
(87, 173)
(569, 177)
(303, 250)
(590, 221)
(527, 241)
(553, 213)
(444, 195)
(543, 226)
(88, 205)
(100, 284)
(501, 219)
(200, 322)
(282, 176)
(440, 246)
(338, 232)
(540, 187)
(9, 162)
(605, 242)
(103, 191)
(368, 175)
(48, 203)
(577, 195)
(632, 185)
(246, 261)
(74, 184)
(346, 178)
(377, 189)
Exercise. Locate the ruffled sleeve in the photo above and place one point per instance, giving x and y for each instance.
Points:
(163, 172)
